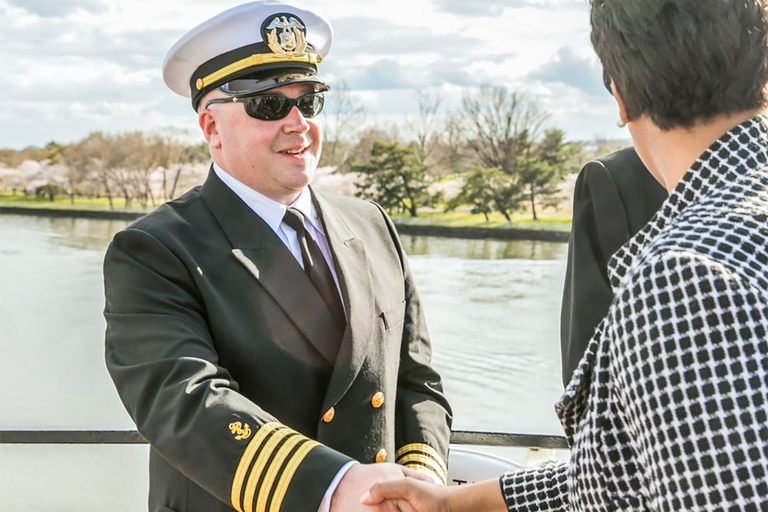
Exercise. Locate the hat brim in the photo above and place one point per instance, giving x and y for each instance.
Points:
(251, 85)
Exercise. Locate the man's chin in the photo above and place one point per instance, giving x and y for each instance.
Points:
(300, 180)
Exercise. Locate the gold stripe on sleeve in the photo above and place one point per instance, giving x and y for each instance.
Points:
(426, 470)
(245, 462)
(274, 467)
(290, 470)
(424, 449)
(425, 461)
(258, 466)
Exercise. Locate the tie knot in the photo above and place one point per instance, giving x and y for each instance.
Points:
(295, 219)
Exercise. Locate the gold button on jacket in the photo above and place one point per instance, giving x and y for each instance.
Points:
(329, 414)
(381, 456)
(377, 400)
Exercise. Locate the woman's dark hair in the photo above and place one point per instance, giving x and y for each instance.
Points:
(683, 61)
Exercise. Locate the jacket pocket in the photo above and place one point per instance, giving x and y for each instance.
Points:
(393, 316)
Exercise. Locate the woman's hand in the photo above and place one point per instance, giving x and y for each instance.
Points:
(409, 495)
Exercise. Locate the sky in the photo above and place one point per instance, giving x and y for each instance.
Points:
(72, 67)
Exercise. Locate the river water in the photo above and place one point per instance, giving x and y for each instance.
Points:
(492, 309)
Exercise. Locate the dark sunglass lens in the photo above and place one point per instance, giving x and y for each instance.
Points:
(272, 107)
(268, 107)
(310, 104)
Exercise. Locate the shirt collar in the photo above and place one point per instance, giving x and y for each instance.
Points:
(306, 206)
(738, 152)
(270, 211)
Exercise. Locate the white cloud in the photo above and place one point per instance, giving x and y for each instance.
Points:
(55, 8)
(76, 66)
(569, 67)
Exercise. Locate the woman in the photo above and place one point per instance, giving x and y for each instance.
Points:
(668, 408)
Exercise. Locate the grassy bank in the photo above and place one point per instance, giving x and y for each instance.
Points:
(64, 203)
(459, 219)
(456, 219)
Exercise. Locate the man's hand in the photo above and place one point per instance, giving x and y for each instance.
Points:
(409, 495)
(360, 478)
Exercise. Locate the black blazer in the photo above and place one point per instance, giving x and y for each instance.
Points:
(615, 196)
(216, 344)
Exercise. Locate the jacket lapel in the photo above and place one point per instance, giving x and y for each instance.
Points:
(263, 254)
(354, 273)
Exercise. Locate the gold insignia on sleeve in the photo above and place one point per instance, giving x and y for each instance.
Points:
(239, 431)
(267, 467)
(425, 459)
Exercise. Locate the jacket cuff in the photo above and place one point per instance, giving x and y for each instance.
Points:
(282, 470)
(425, 459)
(543, 488)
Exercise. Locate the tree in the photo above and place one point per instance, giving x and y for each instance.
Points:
(343, 121)
(52, 152)
(109, 161)
(453, 143)
(362, 151)
(44, 179)
(78, 163)
(194, 154)
(425, 127)
(544, 168)
(500, 126)
(173, 157)
(394, 178)
(146, 154)
(486, 189)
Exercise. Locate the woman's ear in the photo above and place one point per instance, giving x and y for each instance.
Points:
(623, 115)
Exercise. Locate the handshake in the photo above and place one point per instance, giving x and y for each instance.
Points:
(388, 487)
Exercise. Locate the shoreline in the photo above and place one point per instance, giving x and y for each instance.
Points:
(403, 229)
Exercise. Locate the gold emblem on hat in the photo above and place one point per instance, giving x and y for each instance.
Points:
(239, 431)
(285, 36)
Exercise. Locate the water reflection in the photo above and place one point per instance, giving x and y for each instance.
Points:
(51, 233)
(492, 309)
(483, 249)
(494, 326)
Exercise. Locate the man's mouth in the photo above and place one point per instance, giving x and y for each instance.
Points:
(295, 151)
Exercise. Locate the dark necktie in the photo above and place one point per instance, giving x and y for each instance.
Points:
(315, 265)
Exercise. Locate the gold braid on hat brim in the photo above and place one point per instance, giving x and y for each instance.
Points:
(255, 61)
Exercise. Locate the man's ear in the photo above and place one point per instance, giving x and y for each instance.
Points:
(208, 125)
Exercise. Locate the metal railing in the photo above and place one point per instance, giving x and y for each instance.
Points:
(465, 437)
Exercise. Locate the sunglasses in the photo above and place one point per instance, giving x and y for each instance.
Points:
(273, 107)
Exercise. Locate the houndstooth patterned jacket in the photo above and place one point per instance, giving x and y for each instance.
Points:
(668, 409)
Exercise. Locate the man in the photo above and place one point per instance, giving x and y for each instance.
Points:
(263, 335)
(615, 196)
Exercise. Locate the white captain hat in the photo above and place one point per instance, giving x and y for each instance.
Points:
(248, 49)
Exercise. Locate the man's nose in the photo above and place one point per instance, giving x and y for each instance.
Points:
(295, 121)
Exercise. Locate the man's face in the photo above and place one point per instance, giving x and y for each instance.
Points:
(275, 158)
